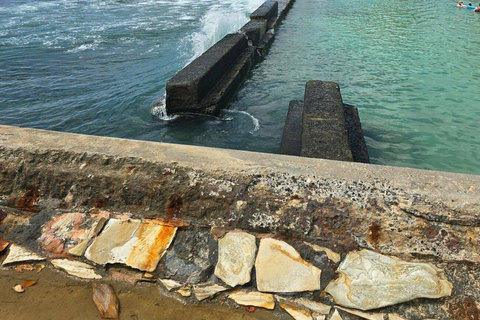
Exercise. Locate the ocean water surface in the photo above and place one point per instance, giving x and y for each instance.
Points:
(97, 66)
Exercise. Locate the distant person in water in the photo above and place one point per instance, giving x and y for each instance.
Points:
(477, 9)
(460, 4)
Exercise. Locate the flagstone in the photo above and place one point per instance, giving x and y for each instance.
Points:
(136, 243)
(369, 280)
(17, 253)
(236, 255)
(76, 268)
(254, 299)
(280, 268)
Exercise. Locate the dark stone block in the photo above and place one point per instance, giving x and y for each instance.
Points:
(254, 30)
(192, 257)
(189, 86)
(292, 132)
(355, 135)
(268, 11)
(324, 129)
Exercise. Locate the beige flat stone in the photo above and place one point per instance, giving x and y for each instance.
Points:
(363, 315)
(336, 316)
(296, 312)
(332, 255)
(17, 253)
(369, 280)
(205, 291)
(185, 292)
(279, 268)
(170, 284)
(254, 299)
(136, 243)
(236, 255)
(393, 316)
(79, 249)
(314, 306)
(76, 268)
(318, 316)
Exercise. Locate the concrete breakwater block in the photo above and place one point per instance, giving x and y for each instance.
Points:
(191, 84)
(268, 11)
(323, 126)
(254, 30)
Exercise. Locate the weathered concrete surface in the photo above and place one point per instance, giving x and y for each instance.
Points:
(394, 210)
(417, 215)
(291, 143)
(191, 84)
(324, 132)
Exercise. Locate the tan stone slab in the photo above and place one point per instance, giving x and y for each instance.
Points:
(393, 316)
(336, 316)
(236, 255)
(315, 306)
(369, 280)
(279, 268)
(296, 312)
(17, 253)
(76, 268)
(170, 284)
(254, 299)
(205, 291)
(136, 243)
(363, 315)
(185, 291)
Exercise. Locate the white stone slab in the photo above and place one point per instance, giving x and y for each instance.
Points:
(76, 268)
(279, 268)
(17, 253)
(369, 280)
(136, 243)
(236, 255)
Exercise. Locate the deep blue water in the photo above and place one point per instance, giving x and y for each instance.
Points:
(97, 66)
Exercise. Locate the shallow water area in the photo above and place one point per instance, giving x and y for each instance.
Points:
(96, 67)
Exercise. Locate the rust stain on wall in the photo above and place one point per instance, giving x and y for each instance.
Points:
(27, 202)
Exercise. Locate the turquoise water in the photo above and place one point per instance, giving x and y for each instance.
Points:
(97, 66)
(411, 67)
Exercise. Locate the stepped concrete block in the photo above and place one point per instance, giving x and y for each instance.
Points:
(324, 129)
(254, 30)
(191, 84)
(279, 268)
(268, 11)
(355, 135)
(236, 255)
(227, 87)
(292, 132)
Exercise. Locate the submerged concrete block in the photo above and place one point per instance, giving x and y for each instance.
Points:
(191, 84)
(254, 30)
(268, 11)
(292, 132)
(324, 128)
(355, 135)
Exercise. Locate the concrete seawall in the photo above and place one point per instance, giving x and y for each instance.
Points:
(417, 215)
(207, 85)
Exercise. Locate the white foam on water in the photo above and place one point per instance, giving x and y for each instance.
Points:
(256, 123)
(159, 110)
(216, 23)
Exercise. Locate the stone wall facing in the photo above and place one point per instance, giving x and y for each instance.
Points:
(324, 216)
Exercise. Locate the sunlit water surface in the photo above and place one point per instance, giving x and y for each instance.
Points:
(97, 66)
